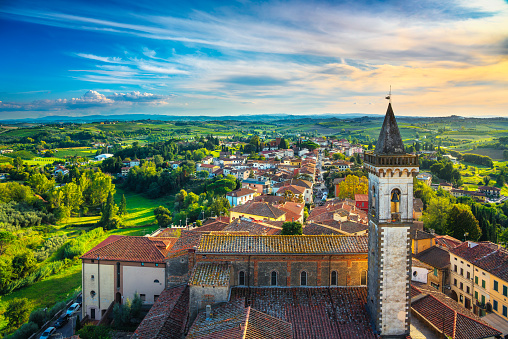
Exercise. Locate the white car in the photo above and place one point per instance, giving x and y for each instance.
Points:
(73, 309)
(49, 331)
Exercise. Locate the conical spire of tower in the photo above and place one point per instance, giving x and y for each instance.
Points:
(389, 141)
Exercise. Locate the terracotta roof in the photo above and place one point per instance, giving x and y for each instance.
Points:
(313, 312)
(261, 209)
(495, 263)
(187, 240)
(417, 263)
(252, 227)
(167, 317)
(278, 244)
(445, 313)
(447, 241)
(472, 251)
(241, 192)
(318, 229)
(169, 232)
(211, 227)
(130, 248)
(231, 321)
(361, 197)
(293, 188)
(435, 257)
(210, 274)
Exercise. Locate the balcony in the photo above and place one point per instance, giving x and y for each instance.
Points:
(396, 217)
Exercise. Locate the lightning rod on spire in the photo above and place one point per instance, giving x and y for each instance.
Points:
(389, 96)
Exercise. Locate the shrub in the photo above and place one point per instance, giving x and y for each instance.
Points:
(39, 316)
(94, 332)
(57, 308)
(24, 331)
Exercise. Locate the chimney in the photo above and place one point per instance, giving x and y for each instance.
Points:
(208, 312)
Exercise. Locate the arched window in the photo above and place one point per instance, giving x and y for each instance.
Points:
(273, 281)
(241, 278)
(156, 281)
(395, 201)
(333, 278)
(303, 278)
(363, 278)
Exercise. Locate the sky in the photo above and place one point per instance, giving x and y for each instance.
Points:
(85, 57)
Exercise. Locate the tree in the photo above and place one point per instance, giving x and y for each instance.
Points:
(94, 332)
(40, 184)
(17, 162)
(158, 160)
(109, 219)
(486, 180)
(122, 209)
(338, 156)
(291, 228)
(23, 264)
(163, 216)
(353, 185)
(436, 214)
(461, 221)
(284, 144)
(500, 180)
(17, 312)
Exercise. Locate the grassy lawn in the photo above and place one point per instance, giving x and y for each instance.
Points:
(140, 209)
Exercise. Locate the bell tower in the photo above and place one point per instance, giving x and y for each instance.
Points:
(391, 173)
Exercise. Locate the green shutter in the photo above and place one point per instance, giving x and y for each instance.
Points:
(476, 280)
(496, 287)
(435, 272)
(483, 283)
(476, 295)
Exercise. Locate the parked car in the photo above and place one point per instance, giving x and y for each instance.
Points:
(79, 299)
(49, 331)
(73, 309)
(60, 322)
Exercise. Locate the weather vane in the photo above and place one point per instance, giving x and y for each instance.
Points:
(389, 96)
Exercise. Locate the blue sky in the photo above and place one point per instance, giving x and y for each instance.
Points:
(253, 57)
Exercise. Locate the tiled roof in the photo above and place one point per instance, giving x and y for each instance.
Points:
(187, 240)
(130, 248)
(472, 251)
(241, 192)
(230, 321)
(417, 234)
(169, 232)
(435, 257)
(253, 228)
(495, 263)
(352, 227)
(210, 274)
(361, 197)
(318, 229)
(271, 199)
(293, 188)
(211, 227)
(447, 241)
(445, 313)
(261, 209)
(274, 244)
(313, 312)
(417, 263)
(167, 317)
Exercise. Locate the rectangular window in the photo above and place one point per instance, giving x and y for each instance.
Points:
(476, 295)
(461, 271)
(455, 268)
(461, 286)
(505, 311)
(483, 300)
(435, 272)
(142, 297)
(468, 275)
(467, 290)
(155, 297)
(496, 286)
(454, 282)
(494, 305)
(483, 283)
(476, 280)
(505, 291)
(92, 277)
(436, 286)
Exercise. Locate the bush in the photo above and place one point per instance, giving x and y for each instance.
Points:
(17, 312)
(77, 246)
(39, 316)
(24, 331)
(57, 308)
(94, 332)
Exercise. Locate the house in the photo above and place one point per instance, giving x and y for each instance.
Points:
(257, 211)
(445, 186)
(121, 266)
(262, 187)
(425, 177)
(421, 240)
(60, 169)
(490, 191)
(125, 170)
(439, 260)
(134, 162)
(417, 208)
(104, 156)
(362, 201)
(206, 167)
(240, 196)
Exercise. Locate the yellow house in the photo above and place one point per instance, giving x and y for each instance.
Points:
(257, 211)
(296, 162)
(421, 240)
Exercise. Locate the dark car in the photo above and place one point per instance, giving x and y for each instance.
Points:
(79, 299)
(60, 322)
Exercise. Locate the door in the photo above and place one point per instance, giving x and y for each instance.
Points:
(92, 313)
(118, 298)
(467, 303)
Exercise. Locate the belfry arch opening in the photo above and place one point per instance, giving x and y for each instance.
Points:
(395, 201)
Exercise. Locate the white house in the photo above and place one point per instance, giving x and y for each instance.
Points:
(240, 197)
(104, 156)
